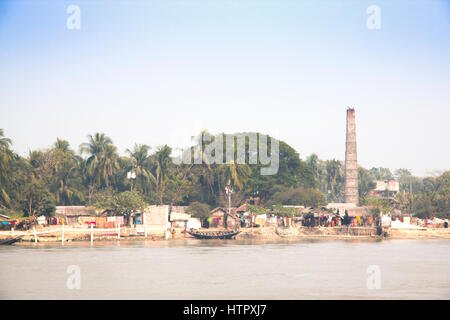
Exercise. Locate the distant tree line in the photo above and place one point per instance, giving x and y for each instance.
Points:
(96, 175)
(424, 197)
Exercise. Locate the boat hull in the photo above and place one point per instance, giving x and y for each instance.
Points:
(9, 241)
(214, 234)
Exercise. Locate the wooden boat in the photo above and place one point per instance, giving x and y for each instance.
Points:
(10, 241)
(213, 234)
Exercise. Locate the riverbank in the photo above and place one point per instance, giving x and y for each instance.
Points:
(272, 233)
(277, 233)
(280, 233)
(435, 233)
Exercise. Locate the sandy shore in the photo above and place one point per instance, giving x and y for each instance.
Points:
(267, 233)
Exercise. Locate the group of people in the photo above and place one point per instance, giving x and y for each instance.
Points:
(338, 220)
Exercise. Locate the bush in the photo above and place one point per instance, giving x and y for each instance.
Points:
(198, 210)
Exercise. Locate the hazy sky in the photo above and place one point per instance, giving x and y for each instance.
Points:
(158, 72)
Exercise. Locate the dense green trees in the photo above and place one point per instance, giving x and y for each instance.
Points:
(433, 198)
(425, 197)
(5, 175)
(36, 200)
(198, 210)
(366, 182)
(329, 175)
(297, 196)
(98, 176)
(128, 203)
(102, 161)
(141, 165)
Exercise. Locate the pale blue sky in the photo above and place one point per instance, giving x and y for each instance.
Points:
(158, 72)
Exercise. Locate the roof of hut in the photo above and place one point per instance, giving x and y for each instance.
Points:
(70, 211)
(217, 209)
(359, 211)
(242, 208)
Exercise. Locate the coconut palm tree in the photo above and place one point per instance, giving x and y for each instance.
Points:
(161, 168)
(205, 171)
(313, 162)
(141, 163)
(62, 145)
(109, 164)
(5, 143)
(65, 191)
(101, 162)
(65, 171)
(234, 174)
(5, 157)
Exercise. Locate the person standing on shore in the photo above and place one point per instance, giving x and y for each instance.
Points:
(346, 221)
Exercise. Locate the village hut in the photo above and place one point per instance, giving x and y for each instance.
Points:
(217, 217)
(220, 218)
(74, 214)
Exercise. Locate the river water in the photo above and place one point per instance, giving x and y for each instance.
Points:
(228, 269)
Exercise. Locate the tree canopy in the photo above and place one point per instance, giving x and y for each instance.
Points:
(97, 175)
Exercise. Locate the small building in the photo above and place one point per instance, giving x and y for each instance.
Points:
(73, 214)
(194, 223)
(220, 218)
(178, 216)
(385, 188)
(155, 218)
(179, 219)
(216, 219)
(242, 209)
(6, 222)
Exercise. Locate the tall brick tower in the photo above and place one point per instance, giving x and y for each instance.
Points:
(351, 162)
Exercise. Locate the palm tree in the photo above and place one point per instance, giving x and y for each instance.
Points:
(5, 143)
(234, 174)
(108, 164)
(62, 145)
(334, 173)
(141, 165)
(205, 170)
(319, 171)
(101, 162)
(162, 166)
(5, 157)
(65, 192)
(313, 162)
(96, 144)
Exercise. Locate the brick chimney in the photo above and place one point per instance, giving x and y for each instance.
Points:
(351, 162)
